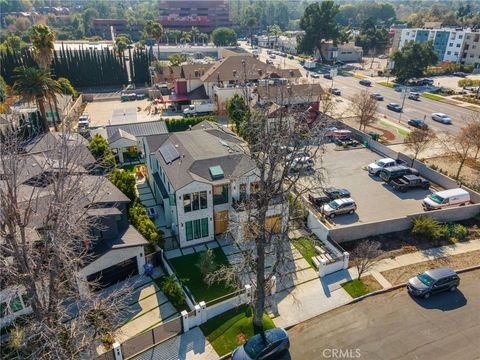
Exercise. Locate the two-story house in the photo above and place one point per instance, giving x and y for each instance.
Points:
(199, 176)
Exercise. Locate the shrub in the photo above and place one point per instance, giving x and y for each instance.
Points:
(458, 231)
(140, 220)
(99, 148)
(173, 291)
(125, 182)
(206, 264)
(430, 229)
(182, 124)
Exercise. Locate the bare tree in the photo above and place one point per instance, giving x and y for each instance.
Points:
(365, 255)
(472, 132)
(461, 146)
(45, 234)
(276, 147)
(365, 108)
(418, 140)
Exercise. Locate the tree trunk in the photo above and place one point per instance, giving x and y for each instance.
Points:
(319, 47)
(476, 153)
(259, 301)
(460, 168)
(41, 107)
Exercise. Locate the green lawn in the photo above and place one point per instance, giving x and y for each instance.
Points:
(388, 84)
(439, 98)
(306, 247)
(355, 288)
(400, 131)
(189, 274)
(229, 330)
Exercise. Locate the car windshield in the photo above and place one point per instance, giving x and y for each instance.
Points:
(380, 163)
(436, 198)
(333, 204)
(255, 345)
(425, 279)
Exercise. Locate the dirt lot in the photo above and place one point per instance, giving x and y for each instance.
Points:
(376, 200)
(460, 261)
(470, 172)
(101, 111)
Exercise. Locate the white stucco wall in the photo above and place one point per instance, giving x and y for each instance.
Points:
(456, 39)
(182, 217)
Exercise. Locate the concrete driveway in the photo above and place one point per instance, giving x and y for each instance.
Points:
(396, 326)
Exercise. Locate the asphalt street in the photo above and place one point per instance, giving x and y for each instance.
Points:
(350, 86)
(396, 326)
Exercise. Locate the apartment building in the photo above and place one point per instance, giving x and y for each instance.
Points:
(201, 177)
(450, 44)
(206, 15)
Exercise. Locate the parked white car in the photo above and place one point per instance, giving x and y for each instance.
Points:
(83, 122)
(377, 166)
(441, 117)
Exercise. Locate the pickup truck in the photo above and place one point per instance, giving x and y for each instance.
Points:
(407, 182)
(377, 166)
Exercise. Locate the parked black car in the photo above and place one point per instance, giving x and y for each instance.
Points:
(433, 281)
(407, 182)
(327, 76)
(394, 107)
(336, 193)
(418, 123)
(272, 345)
(365, 82)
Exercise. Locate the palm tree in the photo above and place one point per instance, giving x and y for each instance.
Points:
(154, 30)
(194, 33)
(36, 85)
(203, 37)
(185, 38)
(42, 39)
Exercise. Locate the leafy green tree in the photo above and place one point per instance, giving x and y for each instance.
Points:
(224, 37)
(88, 16)
(274, 30)
(177, 59)
(206, 264)
(237, 111)
(194, 34)
(125, 182)
(412, 60)
(3, 90)
(42, 39)
(139, 219)
(13, 42)
(36, 85)
(372, 39)
(101, 152)
(186, 37)
(320, 26)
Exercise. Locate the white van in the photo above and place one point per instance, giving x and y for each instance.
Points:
(446, 198)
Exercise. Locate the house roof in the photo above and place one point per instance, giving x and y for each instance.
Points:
(198, 94)
(129, 238)
(244, 68)
(295, 92)
(198, 150)
(187, 71)
(120, 134)
(136, 129)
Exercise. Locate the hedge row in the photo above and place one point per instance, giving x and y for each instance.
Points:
(182, 124)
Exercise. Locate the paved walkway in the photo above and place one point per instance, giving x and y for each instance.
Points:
(190, 345)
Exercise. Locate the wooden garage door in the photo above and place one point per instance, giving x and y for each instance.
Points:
(221, 222)
(273, 224)
(115, 273)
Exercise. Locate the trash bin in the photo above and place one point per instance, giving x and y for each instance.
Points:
(148, 269)
(365, 143)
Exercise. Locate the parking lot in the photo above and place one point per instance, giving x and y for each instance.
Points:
(376, 200)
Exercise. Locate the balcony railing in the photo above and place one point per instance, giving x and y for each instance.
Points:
(249, 203)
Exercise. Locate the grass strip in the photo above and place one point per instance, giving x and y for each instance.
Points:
(387, 84)
(355, 288)
(439, 98)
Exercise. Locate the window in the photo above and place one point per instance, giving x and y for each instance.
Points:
(449, 52)
(189, 230)
(460, 36)
(196, 201)
(458, 45)
(451, 44)
(220, 194)
(254, 186)
(203, 199)
(456, 53)
(187, 203)
(196, 229)
(243, 192)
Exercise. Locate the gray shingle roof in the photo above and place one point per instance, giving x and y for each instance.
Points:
(120, 134)
(139, 129)
(200, 149)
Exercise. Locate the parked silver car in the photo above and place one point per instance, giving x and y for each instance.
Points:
(443, 118)
(338, 207)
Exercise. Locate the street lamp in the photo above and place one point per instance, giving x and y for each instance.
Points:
(333, 73)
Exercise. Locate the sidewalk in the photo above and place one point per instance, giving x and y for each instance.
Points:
(190, 345)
